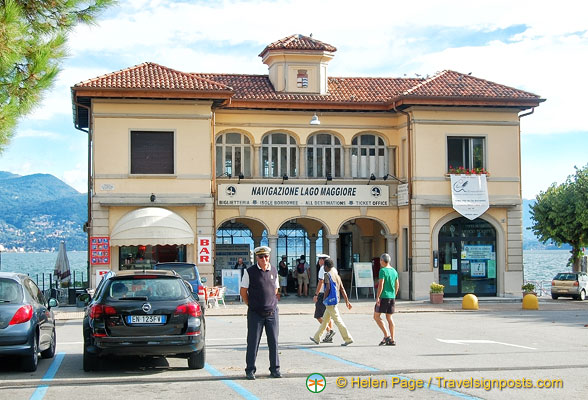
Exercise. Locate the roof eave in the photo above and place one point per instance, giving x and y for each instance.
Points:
(465, 101)
(152, 93)
(308, 105)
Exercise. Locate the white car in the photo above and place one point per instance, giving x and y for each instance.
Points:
(570, 284)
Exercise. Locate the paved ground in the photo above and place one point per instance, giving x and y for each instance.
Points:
(293, 305)
(441, 347)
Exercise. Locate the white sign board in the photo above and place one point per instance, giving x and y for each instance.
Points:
(231, 279)
(402, 194)
(362, 276)
(204, 250)
(226, 256)
(99, 275)
(469, 194)
(362, 273)
(263, 195)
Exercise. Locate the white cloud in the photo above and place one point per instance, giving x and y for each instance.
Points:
(77, 178)
(34, 133)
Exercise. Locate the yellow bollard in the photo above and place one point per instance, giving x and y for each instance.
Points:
(530, 302)
(469, 302)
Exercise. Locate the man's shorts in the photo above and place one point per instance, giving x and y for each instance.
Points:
(319, 307)
(303, 278)
(387, 306)
(283, 281)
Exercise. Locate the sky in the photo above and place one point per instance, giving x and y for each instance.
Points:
(538, 46)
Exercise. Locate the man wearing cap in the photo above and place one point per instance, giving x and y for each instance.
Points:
(319, 307)
(259, 290)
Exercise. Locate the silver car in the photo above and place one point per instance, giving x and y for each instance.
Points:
(570, 284)
(27, 325)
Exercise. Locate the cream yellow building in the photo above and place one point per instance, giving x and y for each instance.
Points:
(306, 163)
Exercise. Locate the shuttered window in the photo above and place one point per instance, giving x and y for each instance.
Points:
(152, 152)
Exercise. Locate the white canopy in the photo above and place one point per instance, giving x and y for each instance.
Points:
(151, 226)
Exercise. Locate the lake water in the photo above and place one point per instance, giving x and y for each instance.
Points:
(540, 265)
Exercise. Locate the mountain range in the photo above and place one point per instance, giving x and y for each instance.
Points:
(38, 211)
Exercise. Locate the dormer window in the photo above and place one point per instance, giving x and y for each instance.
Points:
(302, 78)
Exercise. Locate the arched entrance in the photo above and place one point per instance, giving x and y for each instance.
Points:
(467, 257)
(236, 238)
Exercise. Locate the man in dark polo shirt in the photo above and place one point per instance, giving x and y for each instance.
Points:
(259, 290)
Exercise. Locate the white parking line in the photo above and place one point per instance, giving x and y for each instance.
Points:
(466, 342)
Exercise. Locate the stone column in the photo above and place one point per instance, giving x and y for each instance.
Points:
(256, 160)
(347, 161)
(333, 247)
(391, 249)
(367, 248)
(302, 161)
(312, 263)
(273, 244)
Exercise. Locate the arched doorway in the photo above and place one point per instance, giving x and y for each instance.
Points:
(467, 258)
(236, 238)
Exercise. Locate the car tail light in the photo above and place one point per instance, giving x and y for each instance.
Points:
(552, 283)
(192, 309)
(23, 314)
(97, 310)
(576, 283)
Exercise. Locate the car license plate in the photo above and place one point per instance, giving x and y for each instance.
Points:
(146, 319)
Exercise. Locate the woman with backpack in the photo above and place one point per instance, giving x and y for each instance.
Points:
(333, 286)
(302, 271)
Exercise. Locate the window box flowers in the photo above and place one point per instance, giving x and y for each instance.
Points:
(467, 171)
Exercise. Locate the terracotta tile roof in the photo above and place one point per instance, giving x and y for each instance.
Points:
(151, 76)
(447, 86)
(340, 90)
(454, 84)
(298, 42)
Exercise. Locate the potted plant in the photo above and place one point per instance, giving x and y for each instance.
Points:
(436, 293)
(528, 288)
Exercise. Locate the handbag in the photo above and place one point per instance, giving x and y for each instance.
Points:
(331, 299)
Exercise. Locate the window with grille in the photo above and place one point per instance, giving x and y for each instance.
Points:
(369, 155)
(279, 156)
(233, 155)
(324, 155)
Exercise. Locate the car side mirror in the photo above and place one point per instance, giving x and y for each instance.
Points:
(84, 298)
(203, 280)
(53, 303)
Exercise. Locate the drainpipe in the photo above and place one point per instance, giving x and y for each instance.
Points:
(520, 147)
(409, 180)
(88, 223)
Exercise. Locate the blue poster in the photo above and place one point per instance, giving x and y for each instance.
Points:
(453, 280)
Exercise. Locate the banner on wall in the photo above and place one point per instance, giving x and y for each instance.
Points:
(264, 195)
(469, 195)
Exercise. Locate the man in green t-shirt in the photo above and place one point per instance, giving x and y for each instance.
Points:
(386, 298)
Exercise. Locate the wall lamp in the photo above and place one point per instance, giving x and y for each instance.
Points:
(329, 178)
(315, 120)
(241, 176)
(284, 178)
(152, 197)
(385, 177)
(372, 178)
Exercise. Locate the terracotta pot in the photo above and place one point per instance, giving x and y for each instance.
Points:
(436, 298)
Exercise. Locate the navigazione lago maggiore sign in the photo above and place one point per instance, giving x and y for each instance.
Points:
(264, 195)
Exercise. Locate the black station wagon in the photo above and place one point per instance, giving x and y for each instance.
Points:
(144, 313)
